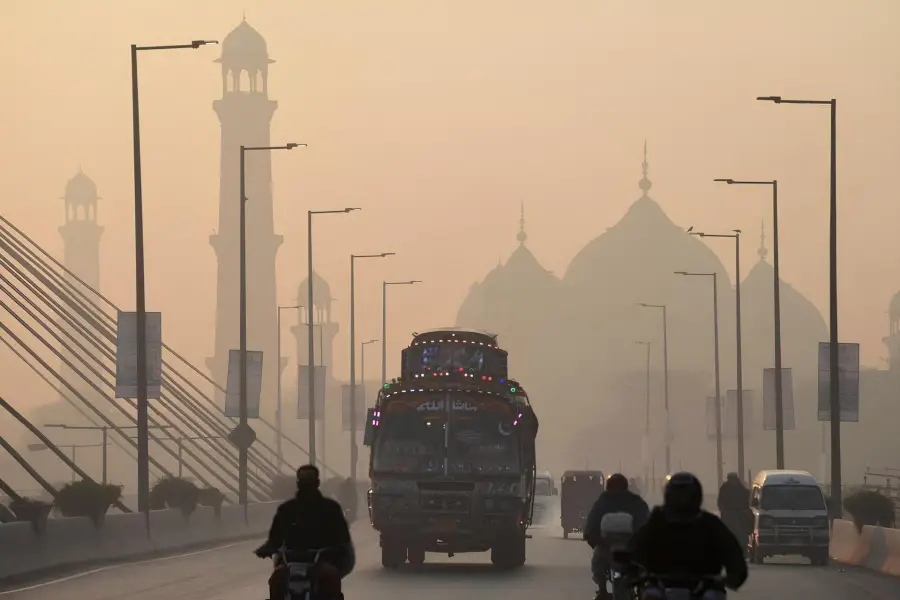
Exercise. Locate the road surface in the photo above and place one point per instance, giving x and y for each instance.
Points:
(556, 568)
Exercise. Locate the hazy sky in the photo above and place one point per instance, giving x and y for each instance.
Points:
(440, 117)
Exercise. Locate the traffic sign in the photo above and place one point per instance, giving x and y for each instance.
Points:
(242, 436)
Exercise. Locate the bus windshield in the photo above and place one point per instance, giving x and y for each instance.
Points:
(482, 437)
(410, 442)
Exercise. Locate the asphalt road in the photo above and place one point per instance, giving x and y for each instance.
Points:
(555, 569)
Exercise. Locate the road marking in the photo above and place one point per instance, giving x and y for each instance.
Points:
(118, 566)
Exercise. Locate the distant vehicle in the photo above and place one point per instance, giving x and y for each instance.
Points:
(546, 495)
(790, 517)
(452, 453)
(578, 492)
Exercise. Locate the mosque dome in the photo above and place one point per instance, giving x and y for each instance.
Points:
(81, 190)
(245, 48)
(802, 325)
(634, 262)
(321, 292)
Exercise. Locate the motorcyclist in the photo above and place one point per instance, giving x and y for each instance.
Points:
(734, 506)
(682, 540)
(309, 521)
(348, 497)
(617, 498)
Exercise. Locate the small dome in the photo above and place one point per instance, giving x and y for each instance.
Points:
(81, 190)
(321, 292)
(245, 48)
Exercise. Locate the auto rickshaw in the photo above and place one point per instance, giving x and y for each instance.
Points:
(578, 492)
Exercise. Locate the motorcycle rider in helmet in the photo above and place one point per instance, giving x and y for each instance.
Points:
(681, 538)
(310, 521)
(616, 499)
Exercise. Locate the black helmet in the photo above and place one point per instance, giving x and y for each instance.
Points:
(617, 483)
(683, 497)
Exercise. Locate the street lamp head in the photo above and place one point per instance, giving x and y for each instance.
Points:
(728, 181)
(414, 281)
(385, 254)
(775, 99)
(737, 231)
(197, 43)
(351, 209)
(681, 272)
(292, 145)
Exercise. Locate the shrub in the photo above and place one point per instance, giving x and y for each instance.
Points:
(870, 508)
(87, 499)
(211, 497)
(175, 492)
(283, 487)
(29, 509)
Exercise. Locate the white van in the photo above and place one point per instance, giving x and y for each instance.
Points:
(545, 499)
(790, 517)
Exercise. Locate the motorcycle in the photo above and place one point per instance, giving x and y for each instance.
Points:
(616, 531)
(674, 586)
(300, 567)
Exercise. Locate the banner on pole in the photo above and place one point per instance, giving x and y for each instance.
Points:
(126, 354)
(787, 400)
(731, 413)
(233, 385)
(848, 381)
(711, 418)
(303, 392)
(360, 407)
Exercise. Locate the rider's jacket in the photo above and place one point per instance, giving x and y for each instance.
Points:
(614, 501)
(311, 521)
(702, 546)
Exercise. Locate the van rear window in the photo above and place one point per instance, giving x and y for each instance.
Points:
(792, 497)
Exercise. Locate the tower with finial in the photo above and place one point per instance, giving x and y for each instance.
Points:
(644, 184)
(522, 237)
(245, 113)
(763, 252)
(81, 249)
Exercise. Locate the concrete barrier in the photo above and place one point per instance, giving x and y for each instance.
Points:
(72, 542)
(874, 548)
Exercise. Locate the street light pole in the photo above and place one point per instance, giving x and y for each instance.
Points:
(309, 317)
(384, 285)
(718, 407)
(362, 361)
(278, 420)
(666, 381)
(354, 449)
(243, 448)
(834, 363)
(776, 298)
(740, 377)
(645, 446)
(143, 447)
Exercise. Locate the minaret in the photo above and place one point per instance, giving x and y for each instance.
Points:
(325, 328)
(324, 331)
(245, 113)
(81, 249)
